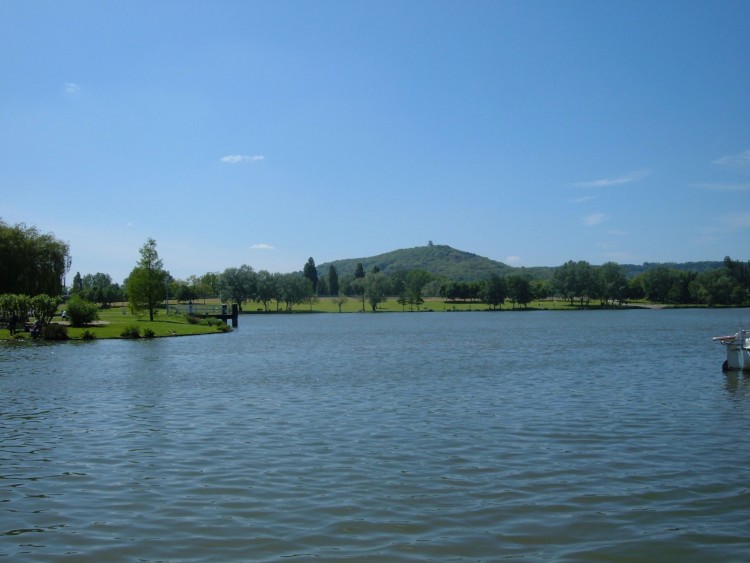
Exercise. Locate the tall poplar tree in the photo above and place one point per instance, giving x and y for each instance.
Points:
(333, 281)
(311, 273)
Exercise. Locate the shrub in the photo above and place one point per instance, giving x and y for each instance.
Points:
(132, 331)
(54, 332)
(81, 312)
(44, 307)
(224, 328)
(192, 319)
(88, 335)
(14, 305)
(148, 333)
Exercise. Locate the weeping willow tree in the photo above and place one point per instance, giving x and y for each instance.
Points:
(31, 263)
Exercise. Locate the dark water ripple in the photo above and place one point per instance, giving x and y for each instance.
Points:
(541, 436)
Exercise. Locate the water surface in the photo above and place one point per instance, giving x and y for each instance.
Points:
(544, 436)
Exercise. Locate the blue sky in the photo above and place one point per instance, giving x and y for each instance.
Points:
(267, 132)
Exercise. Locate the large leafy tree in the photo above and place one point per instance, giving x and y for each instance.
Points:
(266, 288)
(294, 289)
(44, 307)
(146, 283)
(613, 283)
(376, 288)
(99, 288)
(495, 291)
(239, 284)
(519, 289)
(31, 263)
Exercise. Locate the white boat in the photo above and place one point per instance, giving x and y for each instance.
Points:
(738, 350)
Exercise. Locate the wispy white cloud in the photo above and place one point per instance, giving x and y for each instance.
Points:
(512, 260)
(605, 182)
(238, 158)
(263, 246)
(71, 88)
(738, 161)
(723, 187)
(594, 219)
(583, 199)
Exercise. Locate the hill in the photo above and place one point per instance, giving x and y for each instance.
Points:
(458, 265)
(438, 259)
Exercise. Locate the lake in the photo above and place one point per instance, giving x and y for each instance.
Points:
(542, 436)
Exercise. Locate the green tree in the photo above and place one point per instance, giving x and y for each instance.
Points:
(718, 287)
(295, 289)
(340, 300)
(613, 284)
(81, 312)
(14, 305)
(265, 290)
(576, 280)
(99, 289)
(31, 263)
(206, 285)
(740, 271)
(376, 288)
(657, 284)
(77, 287)
(415, 282)
(359, 272)
(519, 289)
(44, 307)
(311, 273)
(541, 289)
(358, 287)
(146, 284)
(238, 284)
(333, 281)
(495, 291)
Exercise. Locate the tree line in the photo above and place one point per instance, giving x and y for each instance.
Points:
(35, 264)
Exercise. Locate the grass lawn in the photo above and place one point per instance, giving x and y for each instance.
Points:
(354, 305)
(112, 322)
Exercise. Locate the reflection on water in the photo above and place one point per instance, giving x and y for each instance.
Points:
(602, 436)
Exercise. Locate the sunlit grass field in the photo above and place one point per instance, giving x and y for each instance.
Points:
(354, 305)
(112, 322)
(115, 320)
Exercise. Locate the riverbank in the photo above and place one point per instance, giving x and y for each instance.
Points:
(113, 322)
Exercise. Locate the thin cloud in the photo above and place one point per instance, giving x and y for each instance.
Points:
(605, 182)
(617, 233)
(263, 246)
(583, 199)
(512, 259)
(723, 187)
(71, 88)
(740, 161)
(239, 158)
(594, 219)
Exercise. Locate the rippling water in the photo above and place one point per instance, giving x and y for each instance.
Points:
(601, 436)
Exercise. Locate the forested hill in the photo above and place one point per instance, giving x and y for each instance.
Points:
(438, 259)
(458, 265)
